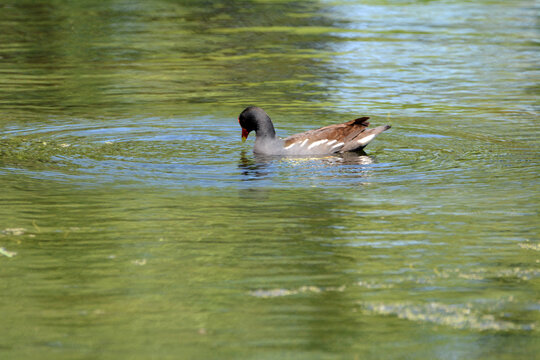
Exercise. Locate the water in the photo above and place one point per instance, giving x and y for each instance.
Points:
(135, 224)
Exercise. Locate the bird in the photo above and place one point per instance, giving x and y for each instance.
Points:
(352, 135)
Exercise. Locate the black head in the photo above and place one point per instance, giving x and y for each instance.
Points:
(256, 119)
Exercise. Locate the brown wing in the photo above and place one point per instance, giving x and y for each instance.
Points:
(339, 132)
(334, 134)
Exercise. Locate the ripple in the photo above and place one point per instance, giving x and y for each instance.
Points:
(279, 292)
(391, 244)
(530, 246)
(5, 252)
(14, 231)
(456, 316)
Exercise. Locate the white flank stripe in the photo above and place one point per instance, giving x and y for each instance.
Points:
(366, 139)
(303, 142)
(337, 145)
(290, 146)
(317, 143)
(331, 142)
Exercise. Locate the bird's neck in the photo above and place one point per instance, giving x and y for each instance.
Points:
(266, 130)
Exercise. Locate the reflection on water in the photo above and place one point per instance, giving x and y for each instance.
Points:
(131, 210)
(258, 166)
(255, 167)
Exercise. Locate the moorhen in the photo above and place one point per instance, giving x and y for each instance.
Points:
(338, 138)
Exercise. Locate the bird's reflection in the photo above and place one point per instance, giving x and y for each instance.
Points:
(354, 158)
(256, 167)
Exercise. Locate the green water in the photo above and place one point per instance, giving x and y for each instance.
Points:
(134, 224)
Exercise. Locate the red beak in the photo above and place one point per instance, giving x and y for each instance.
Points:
(245, 134)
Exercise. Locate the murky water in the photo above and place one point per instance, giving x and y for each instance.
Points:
(135, 224)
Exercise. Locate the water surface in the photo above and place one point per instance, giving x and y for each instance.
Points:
(135, 224)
